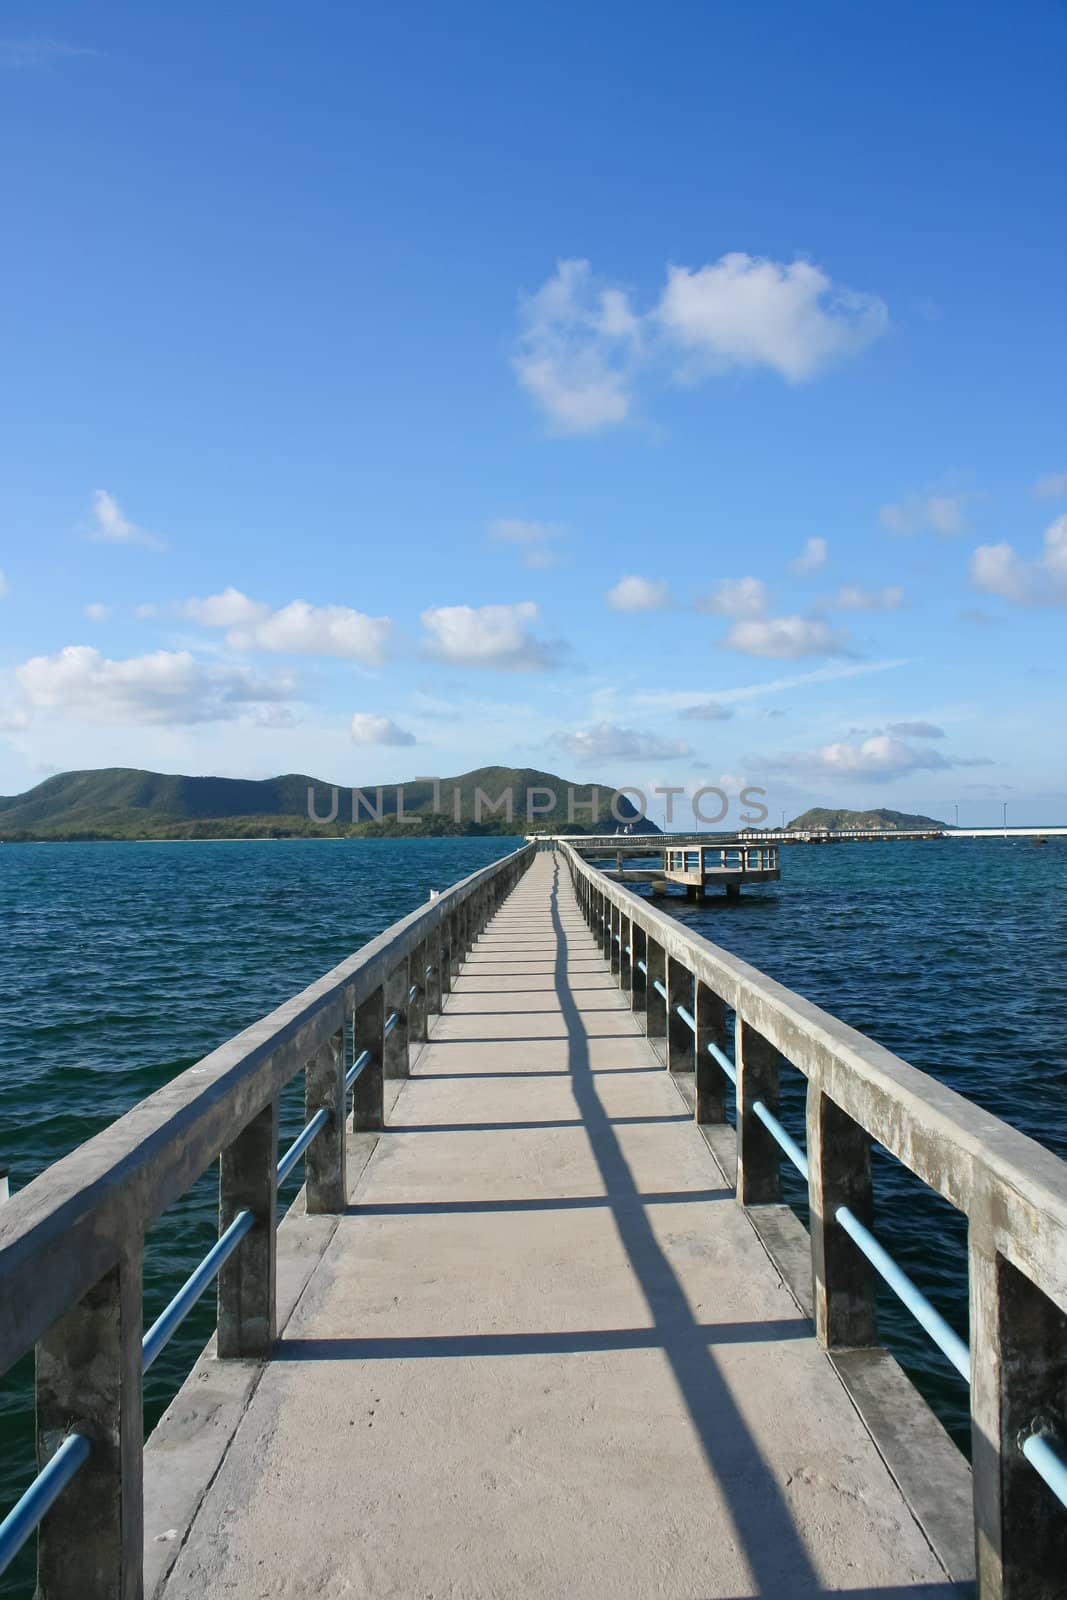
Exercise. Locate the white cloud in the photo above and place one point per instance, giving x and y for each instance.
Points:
(13, 720)
(581, 343)
(639, 594)
(1053, 486)
(143, 612)
(999, 569)
(38, 51)
(4, 588)
(813, 555)
(919, 513)
(744, 311)
(707, 711)
(607, 742)
(678, 699)
(97, 612)
(877, 757)
(111, 524)
(785, 638)
(296, 629)
(577, 347)
(495, 636)
(536, 539)
(230, 609)
(165, 687)
(369, 728)
(852, 598)
(916, 730)
(736, 597)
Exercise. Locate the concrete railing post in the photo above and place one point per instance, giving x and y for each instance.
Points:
(434, 988)
(625, 964)
(758, 1166)
(1018, 1384)
(680, 1040)
(614, 954)
(710, 1013)
(655, 1004)
(395, 1060)
(248, 1180)
(839, 1174)
(326, 1189)
(605, 929)
(368, 1093)
(417, 1004)
(455, 950)
(91, 1544)
(639, 984)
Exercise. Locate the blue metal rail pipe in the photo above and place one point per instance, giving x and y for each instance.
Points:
(309, 1131)
(781, 1137)
(361, 1061)
(1044, 1455)
(41, 1496)
(193, 1287)
(947, 1340)
(390, 1023)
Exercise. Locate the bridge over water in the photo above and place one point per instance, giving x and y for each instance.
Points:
(539, 1323)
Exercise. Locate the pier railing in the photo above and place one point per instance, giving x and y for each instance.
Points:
(1012, 1191)
(72, 1241)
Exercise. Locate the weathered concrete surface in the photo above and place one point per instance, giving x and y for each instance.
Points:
(544, 1353)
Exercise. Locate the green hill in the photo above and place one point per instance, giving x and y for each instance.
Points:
(898, 821)
(124, 803)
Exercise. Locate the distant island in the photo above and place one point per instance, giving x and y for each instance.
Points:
(881, 820)
(125, 803)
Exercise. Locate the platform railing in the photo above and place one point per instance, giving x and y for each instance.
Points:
(72, 1241)
(1012, 1191)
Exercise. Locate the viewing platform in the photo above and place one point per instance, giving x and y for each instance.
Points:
(539, 1324)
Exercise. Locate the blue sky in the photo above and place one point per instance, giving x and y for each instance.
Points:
(649, 395)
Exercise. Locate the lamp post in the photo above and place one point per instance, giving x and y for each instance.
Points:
(1004, 815)
(957, 805)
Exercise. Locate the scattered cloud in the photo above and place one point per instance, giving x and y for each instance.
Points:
(498, 637)
(296, 629)
(916, 730)
(921, 513)
(581, 343)
(879, 757)
(852, 598)
(736, 597)
(1053, 486)
(639, 594)
(97, 612)
(369, 728)
(812, 556)
(5, 589)
(785, 638)
(38, 51)
(608, 742)
(578, 345)
(999, 569)
(976, 617)
(165, 687)
(145, 611)
(111, 524)
(536, 539)
(745, 311)
(707, 711)
(678, 699)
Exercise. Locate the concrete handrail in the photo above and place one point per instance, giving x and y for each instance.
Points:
(1012, 1190)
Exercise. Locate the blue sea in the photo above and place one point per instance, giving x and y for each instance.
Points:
(122, 964)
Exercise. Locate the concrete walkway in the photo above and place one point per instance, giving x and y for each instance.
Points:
(544, 1354)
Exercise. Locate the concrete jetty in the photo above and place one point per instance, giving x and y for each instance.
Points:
(540, 1322)
(543, 1353)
